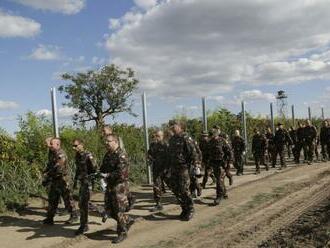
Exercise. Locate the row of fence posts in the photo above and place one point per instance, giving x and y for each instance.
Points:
(204, 119)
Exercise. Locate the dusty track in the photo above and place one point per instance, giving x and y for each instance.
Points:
(258, 206)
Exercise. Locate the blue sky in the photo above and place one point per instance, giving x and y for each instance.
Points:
(181, 50)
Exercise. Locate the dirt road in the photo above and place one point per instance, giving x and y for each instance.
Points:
(259, 209)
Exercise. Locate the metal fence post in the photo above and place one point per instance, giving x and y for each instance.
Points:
(54, 111)
(146, 134)
(204, 114)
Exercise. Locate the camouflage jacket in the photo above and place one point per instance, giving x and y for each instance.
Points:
(219, 149)
(259, 143)
(310, 134)
(238, 145)
(58, 166)
(85, 166)
(116, 165)
(158, 155)
(282, 138)
(182, 151)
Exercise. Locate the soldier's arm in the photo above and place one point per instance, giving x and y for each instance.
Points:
(121, 171)
(91, 163)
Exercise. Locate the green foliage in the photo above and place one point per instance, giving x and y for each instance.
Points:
(31, 138)
(18, 181)
(100, 93)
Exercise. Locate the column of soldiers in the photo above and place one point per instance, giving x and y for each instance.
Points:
(177, 161)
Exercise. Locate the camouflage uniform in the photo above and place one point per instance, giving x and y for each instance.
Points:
(310, 134)
(158, 156)
(324, 140)
(182, 156)
(219, 152)
(293, 136)
(270, 146)
(115, 165)
(259, 146)
(204, 147)
(59, 184)
(300, 133)
(85, 166)
(194, 183)
(238, 145)
(280, 140)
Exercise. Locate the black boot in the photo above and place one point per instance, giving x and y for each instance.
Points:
(81, 230)
(217, 201)
(157, 207)
(48, 221)
(188, 215)
(121, 237)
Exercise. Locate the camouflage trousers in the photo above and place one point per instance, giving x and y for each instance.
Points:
(219, 177)
(59, 188)
(310, 148)
(279, 150)
(208, 173)
(158, 177)
(116, 203)
(84, 197)
(259, 158)
(297, 150)
(238, 162)
(179, 184)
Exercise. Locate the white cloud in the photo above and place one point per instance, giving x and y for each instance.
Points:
(7, 105)
(65, 112)
(114, 23)
(68, 7)
(98, 61)
(145, 4)
(256, 95)
(17, 26)
(196, 48)
(216, 98)
(46, 52)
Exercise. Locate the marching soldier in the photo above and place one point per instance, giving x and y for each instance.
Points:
(324, 139)
(310, 134)
(85, 167)
(300, 143)
(281, 138)
(259, 145)
(238, 145)
(58, 177)
(183, 158)
(158, 157)
(195, 186)
(270, 145)
(115, 169)
(219, 152)
(204, 147)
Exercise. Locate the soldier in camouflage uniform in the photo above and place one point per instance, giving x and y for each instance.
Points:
(219, 152)
(228, 161)
(183, 157)
(281, 138)
(85, 167)
(59, 184)
(204, 147)
(158, 157)
(238, 145)
(270, 145)
(107, 130)
(195, 186)
(300, 144)
(115, 170)
(324, 139)
(259, 146)
(310, 134)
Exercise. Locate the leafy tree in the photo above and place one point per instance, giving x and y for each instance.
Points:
(100, 93)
